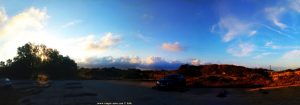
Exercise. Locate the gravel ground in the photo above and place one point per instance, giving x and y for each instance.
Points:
(100, 92)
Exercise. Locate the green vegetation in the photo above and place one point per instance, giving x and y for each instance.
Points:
(32, 60)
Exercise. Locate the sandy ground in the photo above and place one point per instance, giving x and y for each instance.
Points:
(100, 92)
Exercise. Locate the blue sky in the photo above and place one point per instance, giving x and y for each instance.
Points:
(151, 33)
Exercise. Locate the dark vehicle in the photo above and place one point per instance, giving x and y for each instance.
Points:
(5, 83)
(173, 81)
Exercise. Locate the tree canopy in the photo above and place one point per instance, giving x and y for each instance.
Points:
(33, 59)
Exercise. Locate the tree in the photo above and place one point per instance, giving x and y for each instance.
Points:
(2, 64)
(8, 62)
(32, 60)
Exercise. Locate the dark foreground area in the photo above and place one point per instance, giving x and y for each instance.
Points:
(10, 96)
(100, 92)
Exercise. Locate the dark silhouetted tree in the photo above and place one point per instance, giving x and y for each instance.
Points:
(33, 59)
(2, 64)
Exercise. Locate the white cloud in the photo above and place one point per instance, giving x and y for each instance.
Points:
(195, 62)
(295, 5)
(20, 29)
(293, 54)
(71, 23)
(30, 26)
(153, 59)
(149, 62)
(173, 47)
(290, 59)
(259, 56)
(3, 16)
(80, 48)
(107, 41)
(109, 61)
(277, 31)
(153, 62)
(233, 27)
(242, 49)
(143, 37)
(271, 45)
(252, 33)
(30, 19)
(274, 14)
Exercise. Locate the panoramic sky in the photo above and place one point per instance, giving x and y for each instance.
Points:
(160, 34)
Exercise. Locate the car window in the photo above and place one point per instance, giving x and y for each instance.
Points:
(172, 77)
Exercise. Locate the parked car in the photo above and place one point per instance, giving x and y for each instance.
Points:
(172, 81)
(5, 83)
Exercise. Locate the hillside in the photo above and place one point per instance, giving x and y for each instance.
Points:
(237, 76)
(225, 76)
(213, 75)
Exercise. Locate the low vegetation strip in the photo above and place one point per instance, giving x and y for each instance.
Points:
(37, 62)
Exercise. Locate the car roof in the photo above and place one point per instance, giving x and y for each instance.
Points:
(174, 74)
(171, 75)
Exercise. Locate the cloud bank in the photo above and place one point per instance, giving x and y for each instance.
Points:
(147, 63)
